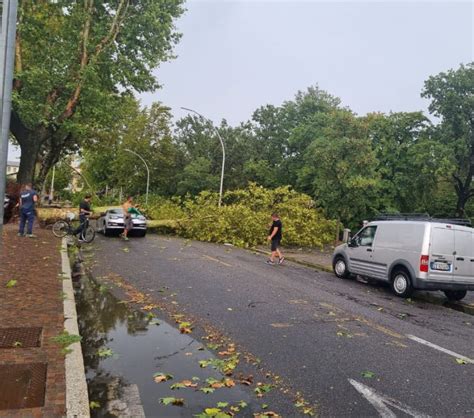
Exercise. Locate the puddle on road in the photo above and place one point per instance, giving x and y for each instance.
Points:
(121, 381)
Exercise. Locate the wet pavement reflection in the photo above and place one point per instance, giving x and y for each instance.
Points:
(124, 348)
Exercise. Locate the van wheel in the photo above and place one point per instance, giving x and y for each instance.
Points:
(340, 268)
(401, 283)
(455, 295)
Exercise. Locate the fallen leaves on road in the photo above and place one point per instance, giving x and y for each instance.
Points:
(172, 401)
(262, 388)
(11, 283)
(105, 352)
(185, 327)
(162, 377)
(461, 361)
(368, 374)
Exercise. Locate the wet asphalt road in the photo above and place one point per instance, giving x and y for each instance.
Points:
(320, 333)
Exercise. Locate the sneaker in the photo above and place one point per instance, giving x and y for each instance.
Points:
(280, 261)
(272, 263)
(20, 234)
(125, 238)
(31, 236)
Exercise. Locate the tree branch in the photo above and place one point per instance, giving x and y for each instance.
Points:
(114, 28)
(85, 58)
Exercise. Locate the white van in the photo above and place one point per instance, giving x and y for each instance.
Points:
(411, 254)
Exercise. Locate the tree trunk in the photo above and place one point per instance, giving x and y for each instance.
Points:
(461, 204)
(29, 154)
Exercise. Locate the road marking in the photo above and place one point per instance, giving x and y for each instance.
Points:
(381, 402)
(380, 328)
(371, 324)
(217, 261)
(443, 350)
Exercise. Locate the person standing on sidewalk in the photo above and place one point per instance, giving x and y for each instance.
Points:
(28, 198)
(274, 236)
(84, 213)
(128, 210)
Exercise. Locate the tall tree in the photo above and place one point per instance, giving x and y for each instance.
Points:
(340, 169)
(452, 100)
(75, 61)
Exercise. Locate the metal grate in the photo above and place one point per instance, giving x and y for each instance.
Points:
(22, 385)
(20, 337)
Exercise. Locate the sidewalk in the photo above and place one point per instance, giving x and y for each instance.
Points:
(32, 375)
(315, 258)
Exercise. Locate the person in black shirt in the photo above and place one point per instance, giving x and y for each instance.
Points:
(274, 236)
(84, 212)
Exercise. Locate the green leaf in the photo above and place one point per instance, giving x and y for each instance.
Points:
(461, 361)
(172, 401)
(105, 352)
(94, 405)
(368, 374)
(222, 404)
(11, 283)
(207, 390)
(177, 386)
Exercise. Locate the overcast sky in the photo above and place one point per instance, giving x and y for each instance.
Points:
(235, 56)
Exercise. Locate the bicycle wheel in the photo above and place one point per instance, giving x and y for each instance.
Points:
(88, 234)
(60, 229)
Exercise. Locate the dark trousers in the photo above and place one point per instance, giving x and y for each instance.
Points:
(83, 221)
(26, 215)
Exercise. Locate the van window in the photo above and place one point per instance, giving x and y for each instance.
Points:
(464, 243)
(442, 241)
(365, 238)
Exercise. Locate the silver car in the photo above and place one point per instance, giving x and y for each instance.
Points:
(111, 221)
(411, 254)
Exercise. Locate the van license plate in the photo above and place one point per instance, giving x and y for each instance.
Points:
(440, 266)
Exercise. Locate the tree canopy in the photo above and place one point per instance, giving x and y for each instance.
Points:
(76, 64)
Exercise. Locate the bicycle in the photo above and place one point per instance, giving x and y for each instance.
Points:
(65, 227)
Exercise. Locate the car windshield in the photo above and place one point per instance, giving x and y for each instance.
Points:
(116, 211)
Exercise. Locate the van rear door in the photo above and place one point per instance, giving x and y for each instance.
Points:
(442, 253)
(464, 257)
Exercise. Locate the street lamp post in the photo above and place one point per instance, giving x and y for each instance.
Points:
(223, 150)
(147, 173)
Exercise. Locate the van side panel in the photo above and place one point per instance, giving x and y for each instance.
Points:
(399, 241)
(463, 264)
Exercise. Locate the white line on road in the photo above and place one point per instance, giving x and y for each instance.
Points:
(380, 402)
(443, 350)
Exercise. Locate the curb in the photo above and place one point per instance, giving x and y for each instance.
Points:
(77, 398)
(301, 262)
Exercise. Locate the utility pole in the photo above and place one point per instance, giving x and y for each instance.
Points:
(51, 191)
(7, 59)
(147, 172)
(223, 150)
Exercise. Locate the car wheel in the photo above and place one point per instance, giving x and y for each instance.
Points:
(455, 295)
(339, 266)
(401, 283)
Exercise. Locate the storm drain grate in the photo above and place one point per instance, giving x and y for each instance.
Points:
(20, 337)
(22, 385)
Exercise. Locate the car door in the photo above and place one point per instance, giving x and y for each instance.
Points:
(464, 257)
(360, 252)
(442, 251)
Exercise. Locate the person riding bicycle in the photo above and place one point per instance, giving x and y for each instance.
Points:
(84, 213)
